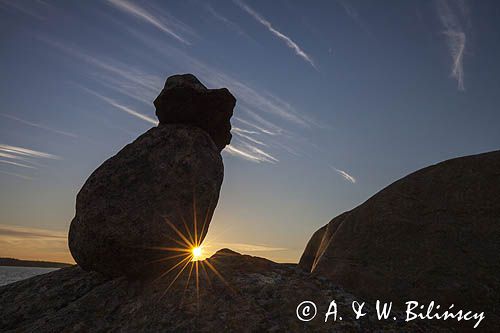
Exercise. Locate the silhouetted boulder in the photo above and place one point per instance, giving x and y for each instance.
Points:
(318, 243)
(132, 209)
(432, 235)
(185, 100)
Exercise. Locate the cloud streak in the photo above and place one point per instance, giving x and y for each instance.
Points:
(25, 232)
(229, 23)
(122, 108)
(256, 132)
(288, 41)
(353, 13)
(37, 125)
(27, 8)
(246, 134)
(115, 75)
(250, 152)
(22, 157)
(255, 108)
(244, 247)
(451, 15)
(16, 175)
(34, 243)
(248, 96)
(14, 150)
(150, 18)
(345, 175)
(17, 164)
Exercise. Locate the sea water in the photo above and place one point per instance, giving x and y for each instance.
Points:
(10, 274)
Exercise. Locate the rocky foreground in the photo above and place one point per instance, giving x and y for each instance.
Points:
(251, 295)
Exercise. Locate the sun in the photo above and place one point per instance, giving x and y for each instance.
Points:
(196, 253)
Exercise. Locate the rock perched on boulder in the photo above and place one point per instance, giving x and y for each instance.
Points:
(132, 209)
(153, 201)
(185, 100)
(432, 235)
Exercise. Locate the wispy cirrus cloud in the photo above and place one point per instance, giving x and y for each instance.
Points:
(255, 108)
(22, 157)
(257, 135)
(345, 175)
(15, 150)
(221, 18)
(452, 16)
(37, 125)
(11, 156)
(33, 9)
(354, 15)
(241, 153)
(259, 127)
(124, 78)
(245, 247)
(155, 20)
(288, 41)
(246, 134)
(17, 175)
(122, 107)
(17, 164)
(247, 96)
(249, 152)
(25, 232)
(34, 243)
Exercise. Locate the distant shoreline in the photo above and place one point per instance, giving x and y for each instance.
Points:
(32, 263)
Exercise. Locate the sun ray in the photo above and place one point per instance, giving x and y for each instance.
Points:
(181, 216)
(184, 246)
(207, 276)
(219, 275)
(206, 216)
(169, 257)
(189, 276)
(197, 284)
(175, 249)
(195, 219)
(186, 285)
(176, 277)
(188, 258)
(180, 234)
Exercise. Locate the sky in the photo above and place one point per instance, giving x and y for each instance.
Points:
(335, 101)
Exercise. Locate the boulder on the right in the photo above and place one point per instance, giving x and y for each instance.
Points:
(432, 235)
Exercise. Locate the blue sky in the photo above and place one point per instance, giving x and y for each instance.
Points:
(335, 101)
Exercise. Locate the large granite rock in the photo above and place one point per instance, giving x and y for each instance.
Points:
(432, 235)
(247, 294)
(318, 243)
(132, 210)
(185, 100)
